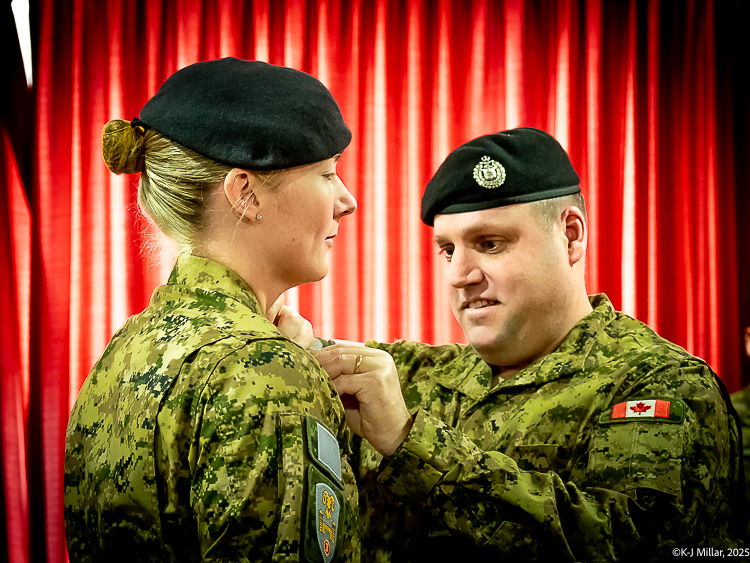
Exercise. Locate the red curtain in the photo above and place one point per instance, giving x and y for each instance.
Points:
(638, 92)
(15, 295)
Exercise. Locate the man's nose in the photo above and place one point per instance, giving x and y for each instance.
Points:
(463, 269)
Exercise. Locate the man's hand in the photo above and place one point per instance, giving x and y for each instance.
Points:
(368, 383)
(291, 323)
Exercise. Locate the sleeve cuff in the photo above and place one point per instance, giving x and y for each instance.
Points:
(430, 450)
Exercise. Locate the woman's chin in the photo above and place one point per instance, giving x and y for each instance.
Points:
(316, 274)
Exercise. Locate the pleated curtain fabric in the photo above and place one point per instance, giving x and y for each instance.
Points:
(639, 93)
(15, 301)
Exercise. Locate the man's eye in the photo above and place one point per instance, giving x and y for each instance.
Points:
(490, 245)
(447, 252)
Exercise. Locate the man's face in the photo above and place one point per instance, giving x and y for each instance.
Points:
(509, 282)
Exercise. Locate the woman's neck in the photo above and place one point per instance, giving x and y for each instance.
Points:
(255, 275)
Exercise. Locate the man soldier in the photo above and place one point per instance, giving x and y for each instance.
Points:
(565, 430)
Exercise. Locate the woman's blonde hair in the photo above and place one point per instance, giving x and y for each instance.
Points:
(175, 180)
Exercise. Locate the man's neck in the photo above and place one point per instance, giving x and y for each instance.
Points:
(580, 309)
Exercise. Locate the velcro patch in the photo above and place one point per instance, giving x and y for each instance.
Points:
(647, 409)
(324, 448)
(653, 408)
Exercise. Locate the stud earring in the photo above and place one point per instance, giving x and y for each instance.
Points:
(258, 217)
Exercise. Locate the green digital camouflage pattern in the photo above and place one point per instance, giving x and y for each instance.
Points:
(535, 469)
(188, 441)
(741, 402)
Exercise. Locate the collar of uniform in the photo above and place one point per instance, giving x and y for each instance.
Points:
(201, 273)
(571, 355)
(474, 380)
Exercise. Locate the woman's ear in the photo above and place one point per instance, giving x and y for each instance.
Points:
(576, 231)
(238, 187)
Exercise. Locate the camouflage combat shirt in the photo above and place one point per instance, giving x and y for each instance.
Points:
(741, 402)
(617, 446)
(203, 434)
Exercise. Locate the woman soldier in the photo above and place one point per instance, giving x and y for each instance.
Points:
(203, 433)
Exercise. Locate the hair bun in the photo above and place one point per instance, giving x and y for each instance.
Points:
(123, 147)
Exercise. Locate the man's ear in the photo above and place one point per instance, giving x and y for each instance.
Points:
(576, 231)
(238, 187)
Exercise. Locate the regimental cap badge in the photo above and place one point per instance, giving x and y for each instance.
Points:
(489, 173)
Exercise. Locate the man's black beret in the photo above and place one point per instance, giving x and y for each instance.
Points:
(516, 166)
(248, 114)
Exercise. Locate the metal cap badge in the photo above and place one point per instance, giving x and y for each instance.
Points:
(489, 173)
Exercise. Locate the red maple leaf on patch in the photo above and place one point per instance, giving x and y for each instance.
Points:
(640, 408)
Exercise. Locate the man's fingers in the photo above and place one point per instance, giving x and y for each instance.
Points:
(367, 381)
(295, 326)
(348, 385)
(351, 350)
(340, 363)
(274, 310)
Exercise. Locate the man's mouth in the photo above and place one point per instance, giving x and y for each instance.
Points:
(480, 304)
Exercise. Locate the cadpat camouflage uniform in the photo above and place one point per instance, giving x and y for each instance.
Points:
(741, 402)
(203, 434)
(565, 461)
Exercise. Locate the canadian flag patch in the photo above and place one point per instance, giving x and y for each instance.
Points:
(652, 408)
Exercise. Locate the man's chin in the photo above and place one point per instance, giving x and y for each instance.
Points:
(486, 347)
(490, 345)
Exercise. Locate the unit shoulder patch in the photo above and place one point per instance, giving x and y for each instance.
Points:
(324, 514)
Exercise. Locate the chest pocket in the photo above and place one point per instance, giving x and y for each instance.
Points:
(630, 453)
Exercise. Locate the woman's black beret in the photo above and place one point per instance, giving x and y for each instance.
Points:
(248, 114)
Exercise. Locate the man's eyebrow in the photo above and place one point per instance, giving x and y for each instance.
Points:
(470, 231)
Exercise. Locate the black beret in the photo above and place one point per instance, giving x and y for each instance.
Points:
(248, 114)
(516, 166)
